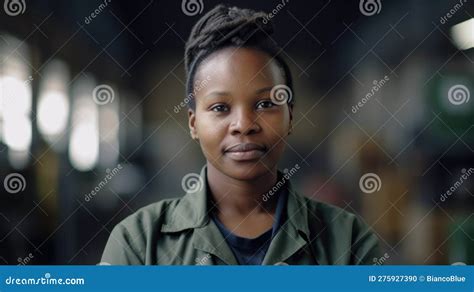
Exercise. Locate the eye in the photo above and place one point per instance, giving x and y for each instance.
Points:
(219, 108)
(265, 104)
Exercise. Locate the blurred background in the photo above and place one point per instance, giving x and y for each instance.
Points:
(93, 127)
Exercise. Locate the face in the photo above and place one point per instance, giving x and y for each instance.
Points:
(241, 131)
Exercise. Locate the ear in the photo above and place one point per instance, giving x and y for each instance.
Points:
(192, 124)
(290, 109)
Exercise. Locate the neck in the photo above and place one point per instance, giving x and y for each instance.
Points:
(233, 196)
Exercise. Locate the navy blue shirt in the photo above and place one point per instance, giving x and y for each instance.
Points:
(251, 251)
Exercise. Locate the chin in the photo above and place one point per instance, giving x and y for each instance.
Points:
(246, 170)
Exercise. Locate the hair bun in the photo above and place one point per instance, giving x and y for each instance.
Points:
(223, 26)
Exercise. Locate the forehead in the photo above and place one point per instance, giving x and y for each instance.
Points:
(239, 68)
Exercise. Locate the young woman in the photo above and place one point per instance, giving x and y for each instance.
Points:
(247, 211)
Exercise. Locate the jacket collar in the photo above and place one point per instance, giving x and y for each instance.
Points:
(294, 234)
(192, 210)
(192, 213)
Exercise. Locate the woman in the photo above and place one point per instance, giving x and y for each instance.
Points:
(247, 211)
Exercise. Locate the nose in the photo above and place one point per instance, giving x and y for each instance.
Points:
(244, 122)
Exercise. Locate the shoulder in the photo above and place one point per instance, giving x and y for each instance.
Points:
(150, 217)
(336, 218)
(330, 214)
(130, 238)
(348, 235)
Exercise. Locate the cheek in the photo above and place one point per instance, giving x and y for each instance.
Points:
(211, 133)
(277, 125)
(276, 129)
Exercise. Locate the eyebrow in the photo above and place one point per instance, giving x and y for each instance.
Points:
(224, 93)
(217, 93)
(265, 89)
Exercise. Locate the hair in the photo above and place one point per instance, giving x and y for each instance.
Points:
(226, 26)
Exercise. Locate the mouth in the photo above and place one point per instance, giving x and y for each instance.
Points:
(245, 151)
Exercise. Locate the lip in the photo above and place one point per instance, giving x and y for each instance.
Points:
(245, 151)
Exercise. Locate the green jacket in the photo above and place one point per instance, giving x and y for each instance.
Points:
(180, 232)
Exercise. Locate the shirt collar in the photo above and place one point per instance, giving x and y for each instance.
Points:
(192, 210)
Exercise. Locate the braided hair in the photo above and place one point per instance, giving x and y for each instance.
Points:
(226, 26)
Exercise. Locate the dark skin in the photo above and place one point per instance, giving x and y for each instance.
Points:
(233, 108)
